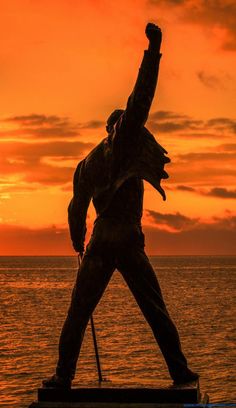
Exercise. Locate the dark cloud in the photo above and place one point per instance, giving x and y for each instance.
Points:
(231, 147)
(218, 80)
(210, 81)
(219, 223)
(185, 188)
(167, 2)
(227, 124)
(176, 221)
(175, 123)
(206, 156)
(164, 115)
(171, 126)
(210, 14)
(180, 223)
(221, 193)
(36, 119)
(92, 124)
(170, 122)
(46, 126)
(215, 14)
(42, 126)
(53, 132)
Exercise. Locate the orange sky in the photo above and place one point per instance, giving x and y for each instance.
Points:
(65, 65)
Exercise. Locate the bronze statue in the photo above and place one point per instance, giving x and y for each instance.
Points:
(112, 176)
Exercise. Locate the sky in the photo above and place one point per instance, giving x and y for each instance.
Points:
(65, 65)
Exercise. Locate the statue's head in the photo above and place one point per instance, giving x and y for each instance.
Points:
(113, 118)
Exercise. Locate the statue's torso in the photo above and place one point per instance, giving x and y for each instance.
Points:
(127, 202)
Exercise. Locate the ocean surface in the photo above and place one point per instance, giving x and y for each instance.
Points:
(35, 294)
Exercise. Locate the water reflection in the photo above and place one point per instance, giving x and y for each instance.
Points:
(35, 294)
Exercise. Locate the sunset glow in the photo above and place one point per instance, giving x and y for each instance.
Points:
(65, 65)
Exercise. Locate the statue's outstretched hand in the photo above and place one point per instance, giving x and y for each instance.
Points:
(154, 35)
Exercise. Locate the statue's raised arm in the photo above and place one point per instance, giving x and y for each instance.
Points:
(140, 100)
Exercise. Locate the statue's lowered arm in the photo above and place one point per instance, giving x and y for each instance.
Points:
(78, 207)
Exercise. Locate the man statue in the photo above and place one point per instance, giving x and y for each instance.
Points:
(112, 176)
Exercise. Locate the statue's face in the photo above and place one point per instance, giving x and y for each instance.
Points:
(113, 118)
(109, 128)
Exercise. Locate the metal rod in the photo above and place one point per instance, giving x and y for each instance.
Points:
(100, 379)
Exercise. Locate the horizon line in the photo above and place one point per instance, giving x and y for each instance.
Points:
(73, 255)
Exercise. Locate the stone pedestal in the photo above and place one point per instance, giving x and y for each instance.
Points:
(110, 395)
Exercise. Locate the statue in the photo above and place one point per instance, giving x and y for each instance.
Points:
(112, 176)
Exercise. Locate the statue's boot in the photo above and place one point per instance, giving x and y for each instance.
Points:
(57, 382)
(185, 378)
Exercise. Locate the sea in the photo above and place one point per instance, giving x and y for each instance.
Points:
(35, 294)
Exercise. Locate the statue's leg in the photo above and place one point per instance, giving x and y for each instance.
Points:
(93, 276)
(142, 281)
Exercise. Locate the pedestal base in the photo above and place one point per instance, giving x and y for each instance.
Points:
(110, 395)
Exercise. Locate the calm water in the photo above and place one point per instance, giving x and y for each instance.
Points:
(35, 293)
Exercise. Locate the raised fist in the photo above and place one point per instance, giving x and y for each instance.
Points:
(154, 34)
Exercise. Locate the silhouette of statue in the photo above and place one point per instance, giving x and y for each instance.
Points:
(112, 176)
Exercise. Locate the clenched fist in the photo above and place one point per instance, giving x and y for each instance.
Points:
(154, 35)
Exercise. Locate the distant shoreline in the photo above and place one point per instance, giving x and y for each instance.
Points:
(150, 255)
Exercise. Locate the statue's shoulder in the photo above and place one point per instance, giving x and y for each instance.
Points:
(92, 161)
(96, 155)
